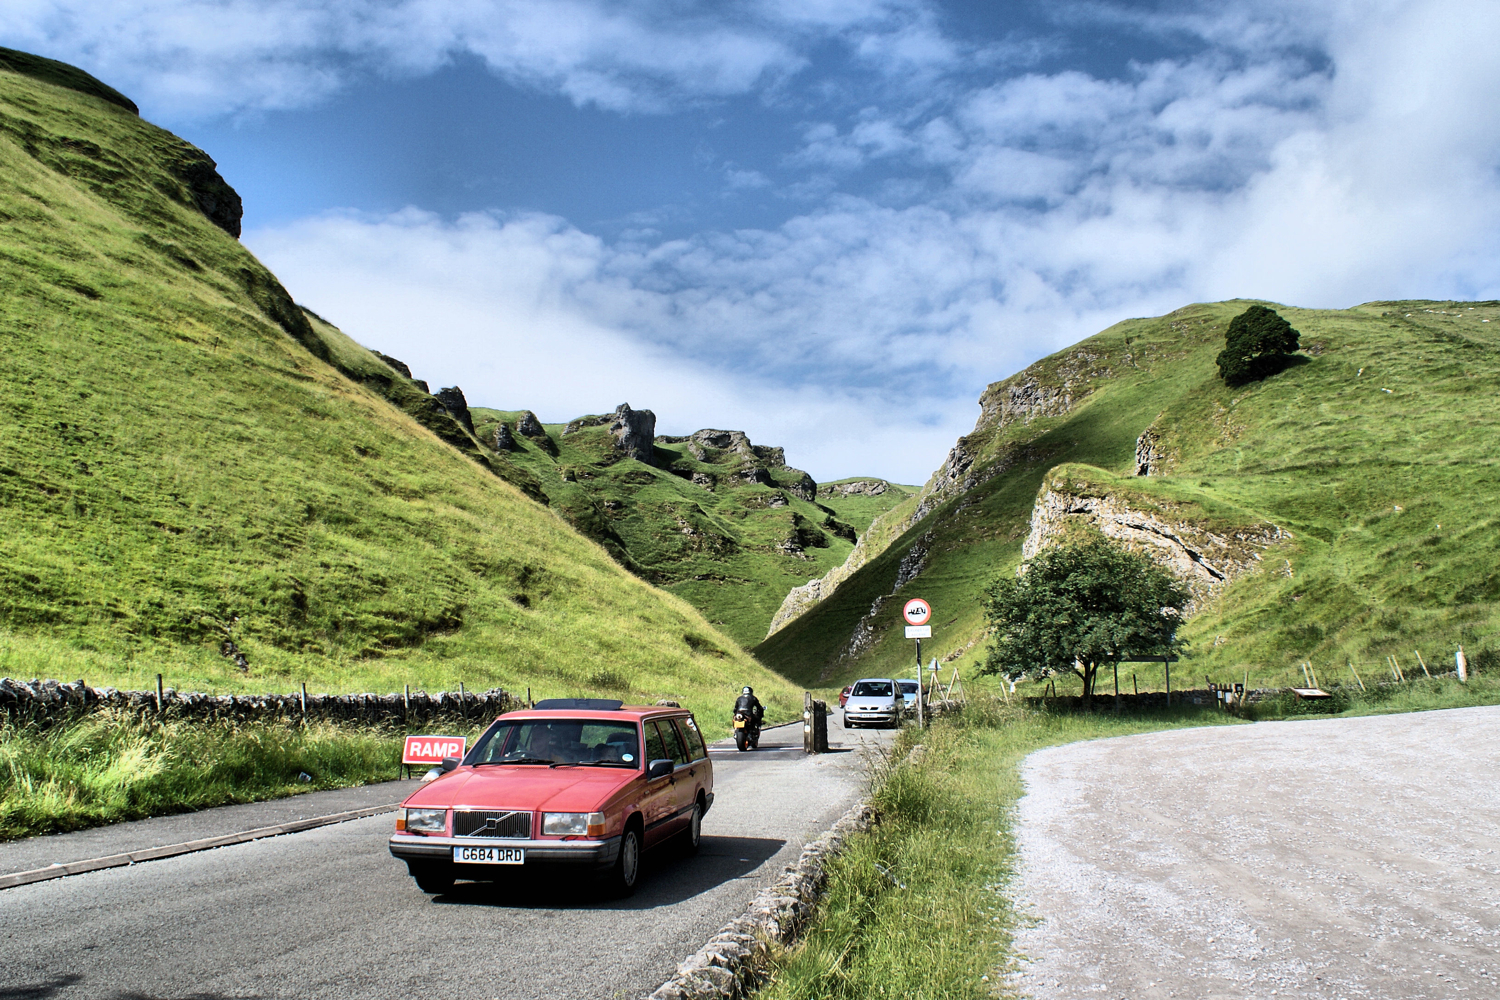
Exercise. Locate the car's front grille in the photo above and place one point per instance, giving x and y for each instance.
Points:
(491, 823)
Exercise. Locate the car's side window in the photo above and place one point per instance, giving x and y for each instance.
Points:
(696, 748)
(656, 747)
(675, 745)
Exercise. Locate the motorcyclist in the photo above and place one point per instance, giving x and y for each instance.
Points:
(750, 705)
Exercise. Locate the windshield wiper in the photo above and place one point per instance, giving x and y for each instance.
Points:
(516, 760)
(609, 763)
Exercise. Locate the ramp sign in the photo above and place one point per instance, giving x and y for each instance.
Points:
(431, 749)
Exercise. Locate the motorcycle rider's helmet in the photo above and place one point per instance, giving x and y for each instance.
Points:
(747, 689)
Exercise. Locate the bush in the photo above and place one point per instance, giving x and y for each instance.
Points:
(1258, 344)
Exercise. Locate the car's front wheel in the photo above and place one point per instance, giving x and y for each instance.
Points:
(622, 877)
(432, 878)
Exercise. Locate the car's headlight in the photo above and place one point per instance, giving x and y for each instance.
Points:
(421, 820)
(573, 824)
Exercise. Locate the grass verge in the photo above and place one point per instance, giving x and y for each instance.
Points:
(106, 767)
(919, 907)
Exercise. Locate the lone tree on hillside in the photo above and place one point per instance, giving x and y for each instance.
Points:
(1258, 344)
(1078, 608)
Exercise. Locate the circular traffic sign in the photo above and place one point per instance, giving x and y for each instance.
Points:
(917, 611)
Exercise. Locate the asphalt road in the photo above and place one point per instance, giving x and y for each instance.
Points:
(329, 913)
(1340, 858)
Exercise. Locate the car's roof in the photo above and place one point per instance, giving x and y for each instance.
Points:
(885, 680)
(630, 713)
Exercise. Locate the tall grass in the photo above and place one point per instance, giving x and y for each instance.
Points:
(107, 767)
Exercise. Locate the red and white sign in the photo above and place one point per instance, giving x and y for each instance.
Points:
(917, 611)
(431, 749)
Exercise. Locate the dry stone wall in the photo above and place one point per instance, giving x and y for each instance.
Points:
(50, 702)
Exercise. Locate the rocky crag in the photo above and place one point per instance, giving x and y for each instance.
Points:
(712, 516)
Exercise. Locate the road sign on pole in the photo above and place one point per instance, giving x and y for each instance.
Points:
(917, 613)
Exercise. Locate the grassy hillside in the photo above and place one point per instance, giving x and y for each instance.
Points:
(1376, 454)
(729, 528)
(186, 457)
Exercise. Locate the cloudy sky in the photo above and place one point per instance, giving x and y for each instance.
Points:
(829, 223)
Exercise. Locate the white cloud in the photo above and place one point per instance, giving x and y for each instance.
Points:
(187, 58)
(858, 335)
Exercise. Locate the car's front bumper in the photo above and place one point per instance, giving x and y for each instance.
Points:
(867, 718)
(598, 853)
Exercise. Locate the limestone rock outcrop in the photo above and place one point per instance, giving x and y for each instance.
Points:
(1204, 557)
(528, 425)
(400, 366)
(634, 430)
(453, 401)
(1150, 453)
(635, 433)
(504, 439)
(857, 487)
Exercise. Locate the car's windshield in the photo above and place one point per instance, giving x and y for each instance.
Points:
(559, 741)
(908, 687)
(872, 689)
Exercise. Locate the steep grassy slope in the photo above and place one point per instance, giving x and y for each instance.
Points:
(725, 524)
(1377, 455)
(186, 457)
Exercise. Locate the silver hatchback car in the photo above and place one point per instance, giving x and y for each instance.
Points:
(875, 701)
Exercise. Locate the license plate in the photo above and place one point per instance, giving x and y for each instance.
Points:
(490, 855)
(739, 723)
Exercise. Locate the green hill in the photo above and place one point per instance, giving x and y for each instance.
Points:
(1343, 509)
(721, 522)
(187, 458)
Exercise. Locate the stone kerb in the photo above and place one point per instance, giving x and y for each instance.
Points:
(50, 702)
(736, 960)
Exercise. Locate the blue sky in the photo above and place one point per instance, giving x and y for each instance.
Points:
(829, 223)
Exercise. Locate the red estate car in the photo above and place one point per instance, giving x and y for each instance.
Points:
(566, 782)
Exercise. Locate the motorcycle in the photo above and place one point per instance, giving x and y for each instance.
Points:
(746, 731)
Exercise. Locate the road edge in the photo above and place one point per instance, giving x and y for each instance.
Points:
(735, 961)
(15, 879)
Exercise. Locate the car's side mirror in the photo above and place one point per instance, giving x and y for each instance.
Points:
(449, 763)
(659, 769)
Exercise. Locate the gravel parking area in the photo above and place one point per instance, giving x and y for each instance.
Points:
(1322, 858)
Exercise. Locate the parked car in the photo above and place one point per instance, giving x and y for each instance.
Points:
(874, 702)
(844, 695)
(574, 781)
(909, 691)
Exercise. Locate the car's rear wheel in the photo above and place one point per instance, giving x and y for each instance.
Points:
(432, 877)
(694, 834)
(622, 877)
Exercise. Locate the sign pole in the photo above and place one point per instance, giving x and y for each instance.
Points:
(921, 723)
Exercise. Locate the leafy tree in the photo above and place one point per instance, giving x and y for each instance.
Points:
(1078, 608)
(1258, 344)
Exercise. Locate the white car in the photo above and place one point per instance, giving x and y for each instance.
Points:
(875, 701)
(909, 690)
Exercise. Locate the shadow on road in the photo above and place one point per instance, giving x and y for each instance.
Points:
(59, 985)
(668, 876)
